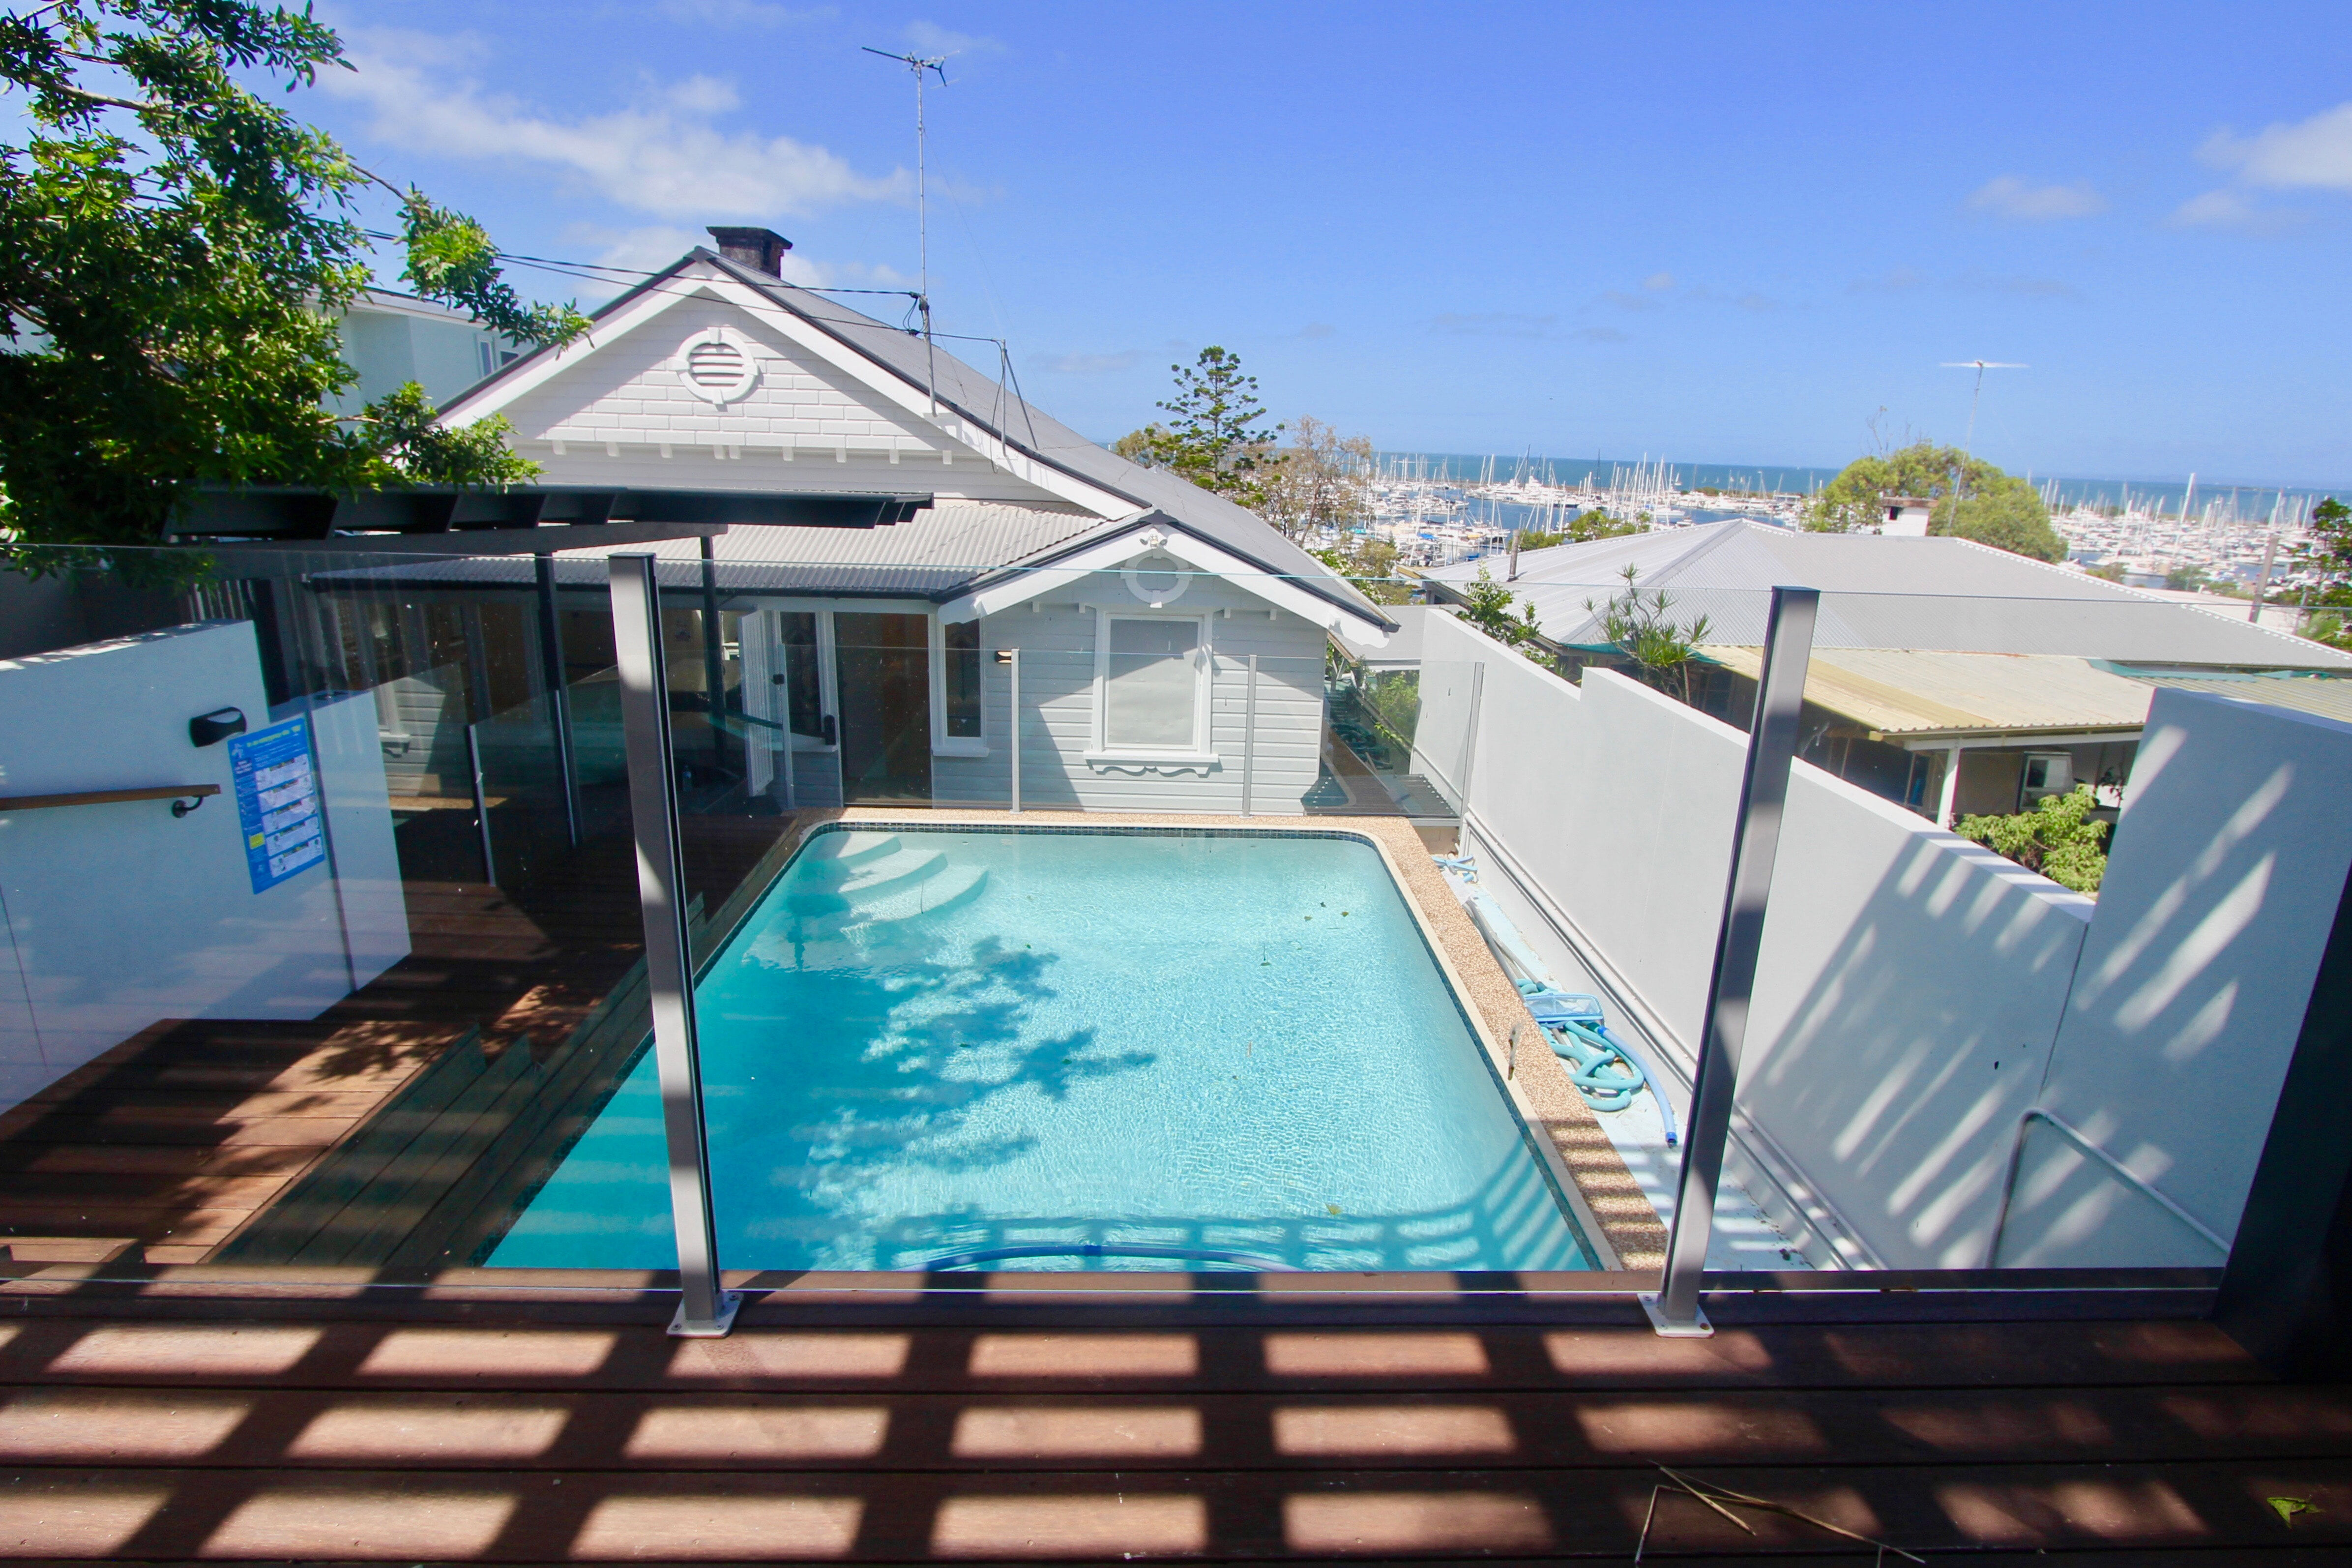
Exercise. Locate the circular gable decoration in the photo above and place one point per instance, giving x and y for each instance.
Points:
(1155, 579)
(717, 366)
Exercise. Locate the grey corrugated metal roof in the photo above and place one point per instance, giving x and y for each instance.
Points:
(935, 555)
(2329, 698)
(1888, 593)
(984, 401)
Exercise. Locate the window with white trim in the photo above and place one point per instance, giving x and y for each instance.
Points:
(960, 680)
(1151, 684)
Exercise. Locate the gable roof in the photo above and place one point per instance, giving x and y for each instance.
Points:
(1878, 592)
(981, 401)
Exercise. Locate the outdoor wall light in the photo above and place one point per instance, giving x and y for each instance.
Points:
(1004, 656)
(211, 729)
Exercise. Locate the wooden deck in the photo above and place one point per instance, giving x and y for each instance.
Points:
(167, 1146)
(2145, 1442)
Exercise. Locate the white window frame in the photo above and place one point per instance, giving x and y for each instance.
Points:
(943, 744)
(825, 678)
(1202, 753)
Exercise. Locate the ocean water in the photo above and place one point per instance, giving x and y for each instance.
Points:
(924, 1045)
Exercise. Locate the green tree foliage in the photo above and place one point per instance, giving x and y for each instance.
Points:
(2331, 529)
(2059, 837)
(1212, 437)
(1641, 626)
(1970, 500)
(1370, 565)
(1596, 523)
(1322, 482)
(1488, 605)
(174, 252)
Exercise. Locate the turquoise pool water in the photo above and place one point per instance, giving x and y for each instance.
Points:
(926, 1043)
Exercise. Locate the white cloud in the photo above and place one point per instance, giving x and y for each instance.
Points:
(1658, 280)
(933, 40)
(2311, 154)
(2011, 197)
(700, 95)
(2229, 209)
(661, 156)
(1089, 364)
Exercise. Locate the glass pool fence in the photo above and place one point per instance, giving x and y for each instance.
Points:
(328, 945)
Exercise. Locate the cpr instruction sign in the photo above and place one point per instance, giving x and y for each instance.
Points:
(278, 801)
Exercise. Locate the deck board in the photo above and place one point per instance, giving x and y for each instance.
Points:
(510, 1441)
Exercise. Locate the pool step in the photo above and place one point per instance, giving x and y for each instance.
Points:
(954, 886)
(833, 856)
(871, 876)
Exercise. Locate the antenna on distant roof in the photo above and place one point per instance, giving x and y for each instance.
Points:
(1969, 446)
(918, 63)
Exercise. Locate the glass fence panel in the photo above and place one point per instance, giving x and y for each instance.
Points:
(325, 948)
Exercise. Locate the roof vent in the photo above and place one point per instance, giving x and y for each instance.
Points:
(717, 365)
(763, 248)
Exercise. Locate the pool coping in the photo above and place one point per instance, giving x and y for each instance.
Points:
(1608, 1207)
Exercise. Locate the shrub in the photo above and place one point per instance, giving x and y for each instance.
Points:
(2059, 837)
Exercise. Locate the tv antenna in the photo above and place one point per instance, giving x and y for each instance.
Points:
(1968, 446)
(937, 65)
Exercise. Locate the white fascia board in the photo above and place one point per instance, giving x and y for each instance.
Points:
(908, 396)
(1195, 553)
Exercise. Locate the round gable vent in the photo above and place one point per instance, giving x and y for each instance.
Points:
(717, 365)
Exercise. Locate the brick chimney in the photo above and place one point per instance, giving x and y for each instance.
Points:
(761, 249)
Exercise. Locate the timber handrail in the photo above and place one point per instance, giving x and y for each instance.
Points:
(106, 796)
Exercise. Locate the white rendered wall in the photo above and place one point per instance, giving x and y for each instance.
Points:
(1899, 964)
(120, 915)
(2228, 863)
(1058, 710)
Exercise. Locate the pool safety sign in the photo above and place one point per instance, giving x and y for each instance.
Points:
(278, 801)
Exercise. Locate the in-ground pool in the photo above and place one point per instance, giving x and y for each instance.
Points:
(1074, 1048)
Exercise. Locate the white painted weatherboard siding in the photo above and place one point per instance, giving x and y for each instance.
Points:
(630, 394)
(1058, 710)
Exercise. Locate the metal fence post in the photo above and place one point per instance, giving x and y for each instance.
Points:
(1755, 839)
(1249, 735)
(703, 1310)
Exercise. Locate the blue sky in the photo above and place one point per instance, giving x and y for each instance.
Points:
(1727, 234)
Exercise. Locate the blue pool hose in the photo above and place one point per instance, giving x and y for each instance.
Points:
(1606, 1071)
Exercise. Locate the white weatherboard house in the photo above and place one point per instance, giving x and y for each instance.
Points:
(1137, 600)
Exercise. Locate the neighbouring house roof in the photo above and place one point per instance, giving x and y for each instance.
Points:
(2329, 698)
(1888, 593)
(985, 400)
(1913, 694)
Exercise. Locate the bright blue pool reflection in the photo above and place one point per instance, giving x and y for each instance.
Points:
(930, 1044)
